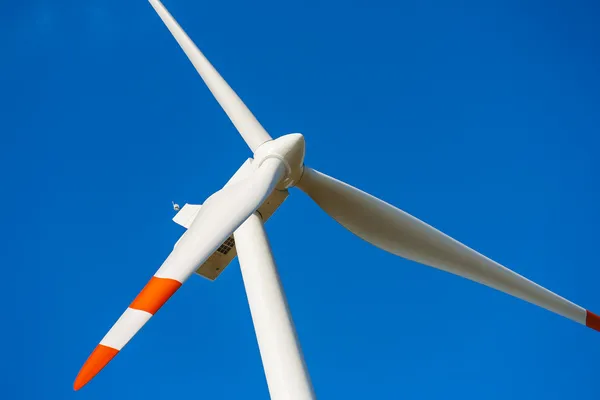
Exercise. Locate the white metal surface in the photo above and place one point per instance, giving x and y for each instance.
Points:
(186, 215)
(130, 322)
(399, 233)
(226, 252)
(219, 216)
(241, 117)
(214, 266)
(290, 149)
(285, 370)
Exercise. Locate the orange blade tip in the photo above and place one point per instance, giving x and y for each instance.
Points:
(94, 364)
(592, 321)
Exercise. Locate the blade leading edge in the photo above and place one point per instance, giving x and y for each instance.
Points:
(244, 121)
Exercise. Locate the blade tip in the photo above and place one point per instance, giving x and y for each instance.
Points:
(78, 384)
(94, 364)
(80, 381)
(592, 321)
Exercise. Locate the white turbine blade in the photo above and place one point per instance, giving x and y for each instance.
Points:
(248, 126)
(399, 233)
(219, 217)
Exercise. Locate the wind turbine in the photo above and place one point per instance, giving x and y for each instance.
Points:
(230, 223)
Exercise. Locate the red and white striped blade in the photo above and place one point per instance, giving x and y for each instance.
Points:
(220, 215)
(397, 232)
(145, 305)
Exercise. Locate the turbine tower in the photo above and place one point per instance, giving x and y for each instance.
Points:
(230, 223)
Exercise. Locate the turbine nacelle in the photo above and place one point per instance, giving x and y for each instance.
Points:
(290, 150)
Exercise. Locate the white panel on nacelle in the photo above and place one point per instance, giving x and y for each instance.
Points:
(186, 215)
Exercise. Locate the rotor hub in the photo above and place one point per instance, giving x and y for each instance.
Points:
(290, 150)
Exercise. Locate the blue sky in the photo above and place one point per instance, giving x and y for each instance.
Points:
(481, 119)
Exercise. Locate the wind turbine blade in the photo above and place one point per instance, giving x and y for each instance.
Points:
(251, 130)
(399, 233)
(219, 217)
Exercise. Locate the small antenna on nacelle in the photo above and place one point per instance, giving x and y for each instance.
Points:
(175, 206)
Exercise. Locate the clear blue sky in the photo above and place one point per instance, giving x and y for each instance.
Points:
(482, 120)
